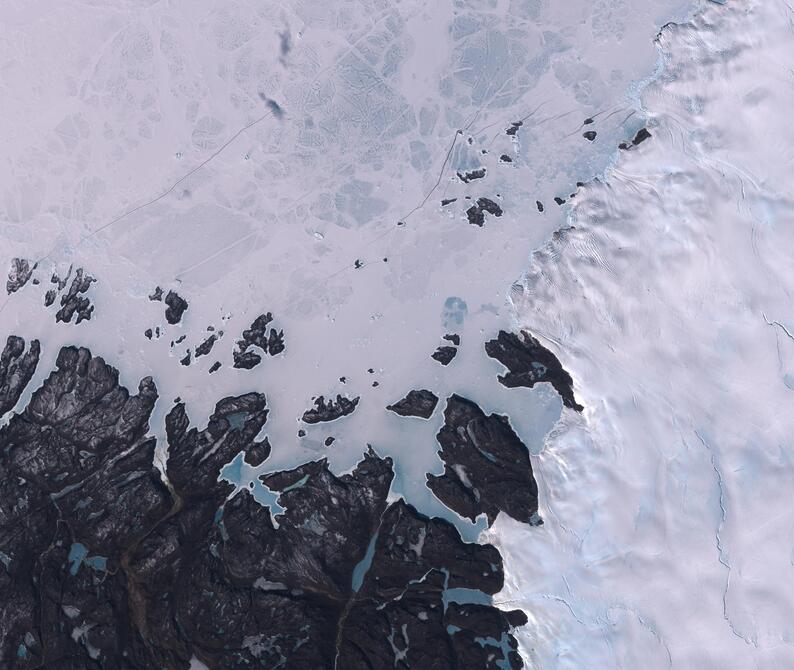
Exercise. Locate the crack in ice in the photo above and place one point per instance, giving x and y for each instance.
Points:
(718, 538)
(779, 325)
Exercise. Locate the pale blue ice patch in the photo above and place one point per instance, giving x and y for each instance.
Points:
(77, 554)
(297, 484)
(237, 420)
(465, 597)
(502, 644)
(360, 571)
(244, 476)
(96, 562)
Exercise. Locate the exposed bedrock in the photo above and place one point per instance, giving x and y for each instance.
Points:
(105, 564)
(270, 341)
(421, 403)
(74, 302)
(528, 363)
(175, 307)
(16, 368)
(330, 410)
(19, 274)
(486, 466)
(444, 354)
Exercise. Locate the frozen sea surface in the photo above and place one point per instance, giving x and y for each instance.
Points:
(261, 158)
(669, 537)
(142, 144)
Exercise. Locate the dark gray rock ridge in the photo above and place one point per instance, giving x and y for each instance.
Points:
(421, 403)
(444, 354)
(176, 306)
(259, 334)
(108, 564)
(74, 302)
(528, 363)
(19, 274)
(486, 466)
(16, 369)
(330, 410)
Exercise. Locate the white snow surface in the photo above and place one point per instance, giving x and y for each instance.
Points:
(140, 144)
(669, 536)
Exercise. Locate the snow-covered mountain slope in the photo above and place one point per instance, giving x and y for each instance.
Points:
(669, 539)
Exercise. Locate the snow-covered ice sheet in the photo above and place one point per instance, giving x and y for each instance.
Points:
(669, 538)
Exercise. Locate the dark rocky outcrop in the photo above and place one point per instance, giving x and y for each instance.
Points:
(398, 618)
(444, 354)
(486, 466)
(16, 368)
(330, 410)
(590, 135)
(59, 281)
(176, 306)
(528, 363)
(476, 213)
(195, 457)
(421, 403)
(206, 346)
(513, 129)
(103, 565)
(19, 274)
(245, 360)
(639, 138)
(269, 340)
(73, 302)
(471, 175)
(477, 632)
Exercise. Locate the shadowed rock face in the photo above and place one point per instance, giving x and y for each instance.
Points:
(420, 403)
(476, 213)
(175, 307)
(486, 466)
(270, 342)
(529, 363)
(330, 410)
(444, 354)
(73, 302)
(16, 369)
(399, 611)
(466, 177)
(19, 274)
(103, 565)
